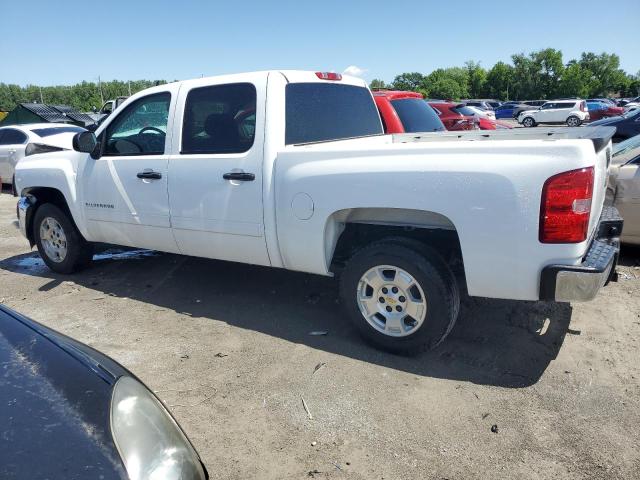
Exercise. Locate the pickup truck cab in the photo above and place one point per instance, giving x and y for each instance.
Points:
(291, 169)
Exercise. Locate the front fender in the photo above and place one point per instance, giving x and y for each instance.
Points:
(54, 172)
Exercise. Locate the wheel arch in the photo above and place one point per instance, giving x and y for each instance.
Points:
(350, 229)
(39, 196)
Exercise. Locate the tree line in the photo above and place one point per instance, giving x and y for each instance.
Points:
(83, 96)
(537, 75)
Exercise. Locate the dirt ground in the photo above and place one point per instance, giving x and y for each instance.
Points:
(228, 348)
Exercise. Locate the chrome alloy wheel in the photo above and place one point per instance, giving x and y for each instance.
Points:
(391, 301)
(54, 240)
(573, 122)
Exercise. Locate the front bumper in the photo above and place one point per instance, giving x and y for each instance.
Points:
(580, 283)
(25, 204)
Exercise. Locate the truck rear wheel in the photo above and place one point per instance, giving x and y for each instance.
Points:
(59, 242)
(400, 295)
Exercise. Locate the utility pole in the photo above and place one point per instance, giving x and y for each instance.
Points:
(129, 83)
(100, 88)
(41, 100)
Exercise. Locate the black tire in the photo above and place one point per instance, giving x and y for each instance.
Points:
(528, 122)
(79, 252)
(573, 119)
(434, 278)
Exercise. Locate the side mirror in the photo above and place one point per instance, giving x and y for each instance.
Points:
(85, 142)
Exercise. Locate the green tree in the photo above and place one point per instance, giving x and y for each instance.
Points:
(476, 79)
(538, 74)
(377, 83)
(606, 76)
(575, 81)
(408, 81)
(446, 83)
(499, 83)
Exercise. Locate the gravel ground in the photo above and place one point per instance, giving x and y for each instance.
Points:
(228, 348)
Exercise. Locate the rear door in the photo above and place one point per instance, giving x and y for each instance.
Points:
(562, 111)
(628, 198)
(215, 170)
(12, 145)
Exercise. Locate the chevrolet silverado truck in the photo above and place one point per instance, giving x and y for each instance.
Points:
(291, 169)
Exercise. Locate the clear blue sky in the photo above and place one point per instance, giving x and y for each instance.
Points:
(50, 42)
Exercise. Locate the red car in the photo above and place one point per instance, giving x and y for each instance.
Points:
(457, 116)
(599, 110)
(406, 112)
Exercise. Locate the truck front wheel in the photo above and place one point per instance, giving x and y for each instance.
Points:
(59, 242)
(400, 295)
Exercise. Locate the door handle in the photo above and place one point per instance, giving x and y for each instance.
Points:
(149, 174)
(241, 176)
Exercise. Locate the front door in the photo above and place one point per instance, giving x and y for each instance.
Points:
(215, 170)
(124, 192)
(546, 113)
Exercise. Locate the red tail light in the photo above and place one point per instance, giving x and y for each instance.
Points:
(583, 106)
(566, 207)
(328, 76)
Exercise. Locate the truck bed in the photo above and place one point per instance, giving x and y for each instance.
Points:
(600, 136)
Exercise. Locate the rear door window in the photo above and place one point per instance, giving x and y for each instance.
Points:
(417, 116)
(219, 119)
(318, 112)
(13, 137)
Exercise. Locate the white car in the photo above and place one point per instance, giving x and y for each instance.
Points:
(482, 113)
(571, 112)
(292, 169)
(17, 141)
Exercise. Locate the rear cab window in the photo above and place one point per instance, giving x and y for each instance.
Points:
(317, 112)
(417, 116)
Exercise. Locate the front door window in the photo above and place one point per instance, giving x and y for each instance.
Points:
(140, 129)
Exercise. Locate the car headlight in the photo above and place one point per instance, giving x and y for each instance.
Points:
(150, 442)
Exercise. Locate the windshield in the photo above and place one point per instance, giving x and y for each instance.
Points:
(626, 151)
(631, 113)
(48, 131)
(317, 112)
(417, 116)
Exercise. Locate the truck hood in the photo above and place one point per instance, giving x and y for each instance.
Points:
(62, 140)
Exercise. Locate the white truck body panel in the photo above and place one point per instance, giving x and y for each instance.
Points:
(292, 215)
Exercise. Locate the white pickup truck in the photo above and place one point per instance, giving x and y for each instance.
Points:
(291, 169)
